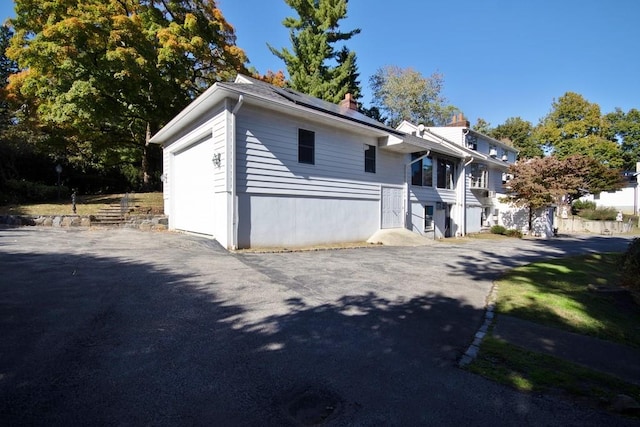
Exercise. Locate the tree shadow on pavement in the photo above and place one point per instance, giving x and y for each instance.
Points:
(105, 340)
(488, 264)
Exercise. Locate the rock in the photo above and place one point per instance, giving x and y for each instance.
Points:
(57, 221)
(624, 404)
(85, 222)
(161, 221)
(48, 222)
(146, 225)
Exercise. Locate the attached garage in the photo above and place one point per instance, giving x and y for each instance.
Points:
(193, 207)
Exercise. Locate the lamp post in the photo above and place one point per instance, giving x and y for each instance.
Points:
(59, 171)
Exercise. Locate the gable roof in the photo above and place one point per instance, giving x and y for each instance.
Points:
(261, 93)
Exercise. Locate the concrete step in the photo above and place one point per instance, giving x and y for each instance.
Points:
(109, 215)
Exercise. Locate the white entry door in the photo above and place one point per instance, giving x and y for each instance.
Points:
(192, 196)
(392, 212)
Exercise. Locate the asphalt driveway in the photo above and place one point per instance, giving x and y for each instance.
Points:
(123, 327)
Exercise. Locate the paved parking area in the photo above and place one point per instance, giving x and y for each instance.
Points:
(129, 327)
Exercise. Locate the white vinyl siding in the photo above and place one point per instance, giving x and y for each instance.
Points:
(268, 150)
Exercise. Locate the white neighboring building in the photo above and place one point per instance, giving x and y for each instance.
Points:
(485, 170)
(626, 200)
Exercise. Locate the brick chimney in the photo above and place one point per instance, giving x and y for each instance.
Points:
(349, 103)
(458, 120)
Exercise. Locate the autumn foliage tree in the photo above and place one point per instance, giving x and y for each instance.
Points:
(576, 126)
(540, 182)
(519, 133)
(101, 76)
(625, 127)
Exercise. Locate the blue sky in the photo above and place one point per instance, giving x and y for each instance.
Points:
(500, 58)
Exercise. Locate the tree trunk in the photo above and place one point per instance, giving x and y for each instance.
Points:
(530, 219)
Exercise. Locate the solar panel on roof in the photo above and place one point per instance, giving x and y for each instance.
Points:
(319, 104)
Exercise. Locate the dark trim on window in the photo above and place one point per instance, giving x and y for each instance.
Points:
(306, 146)
(370, 158)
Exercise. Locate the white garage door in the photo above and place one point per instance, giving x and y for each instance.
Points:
(192, 180)
(392, 212)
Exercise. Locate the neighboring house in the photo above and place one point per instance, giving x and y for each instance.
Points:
(626, 199)
(254, 165)
(481, 175)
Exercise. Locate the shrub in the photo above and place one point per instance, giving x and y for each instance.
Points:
(580, 205)
(513, 233)
(599, 214)
(631, 265)
(498, 229)
(16, 191)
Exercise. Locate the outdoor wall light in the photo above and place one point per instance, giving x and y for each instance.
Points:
(216, 160)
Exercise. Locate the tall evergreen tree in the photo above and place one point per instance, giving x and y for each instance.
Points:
(314, 65)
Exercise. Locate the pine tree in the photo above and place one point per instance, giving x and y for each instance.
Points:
(314, 65)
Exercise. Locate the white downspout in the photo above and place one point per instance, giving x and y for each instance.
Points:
(234, 162)
(463, 213)
(407, 201)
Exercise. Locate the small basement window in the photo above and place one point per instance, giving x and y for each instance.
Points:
(370, 158)
(306, 146)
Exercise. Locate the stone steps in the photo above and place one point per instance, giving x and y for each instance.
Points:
(109, 215)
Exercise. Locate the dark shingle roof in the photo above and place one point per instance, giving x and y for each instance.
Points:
(290, 96)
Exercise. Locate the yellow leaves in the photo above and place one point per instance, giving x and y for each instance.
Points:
(236, 52)
(190, 22)
(16, 83)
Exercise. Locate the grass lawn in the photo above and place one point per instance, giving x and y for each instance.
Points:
(528, 371)
(574, 294)
(564, 293)
(88, 205)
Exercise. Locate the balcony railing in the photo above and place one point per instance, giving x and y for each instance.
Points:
(478, 181)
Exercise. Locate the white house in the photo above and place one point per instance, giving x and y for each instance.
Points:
(254, 165)
(626, 200)
(482, 176)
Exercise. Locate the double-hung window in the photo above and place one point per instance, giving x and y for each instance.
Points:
(306, 146)
(370, 158)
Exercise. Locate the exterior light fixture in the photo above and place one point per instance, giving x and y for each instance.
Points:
(216, 160)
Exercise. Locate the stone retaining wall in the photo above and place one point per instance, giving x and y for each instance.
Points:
(575, 224)
(142, 222)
